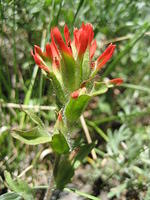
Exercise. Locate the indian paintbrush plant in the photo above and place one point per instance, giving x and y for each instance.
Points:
(70, 66)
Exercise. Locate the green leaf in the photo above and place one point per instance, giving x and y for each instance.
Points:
(19, 186)
(57, 87)
(83, 194)
(34, 118)
(10, 196)
(59, 144)
(75, 107)
(99, 88)
(33, 136)
(86, 66)
(68, 70)
(64, 173)
(84, 151)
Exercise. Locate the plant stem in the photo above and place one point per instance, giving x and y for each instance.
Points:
(50, 187)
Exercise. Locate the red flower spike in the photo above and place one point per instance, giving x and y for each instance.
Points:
(59, 40)
(116, 81)
(106, 55)
(83, 40)
(75, 94)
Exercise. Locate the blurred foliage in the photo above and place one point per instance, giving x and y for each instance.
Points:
(120, 118)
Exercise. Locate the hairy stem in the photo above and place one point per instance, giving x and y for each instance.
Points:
(50, 187)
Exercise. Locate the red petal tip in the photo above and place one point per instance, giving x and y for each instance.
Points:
(116, 81)
(75, 94)
(59, 116)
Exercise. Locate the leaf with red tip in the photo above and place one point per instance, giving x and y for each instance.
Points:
(116, 81)
(68, 70)
(106, 55)
(37, 59)
(38, 50)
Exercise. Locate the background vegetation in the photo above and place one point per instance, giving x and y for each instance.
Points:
(119, 120)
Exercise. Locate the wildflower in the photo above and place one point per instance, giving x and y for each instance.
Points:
(71, 61)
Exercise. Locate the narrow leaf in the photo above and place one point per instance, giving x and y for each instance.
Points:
(33, 136)
(138, 35)
(68, 70)
(64, 173)
(99, 88)
(84, 151)
(19, 186)
(83, 194)
(86, 66)
(34, 118)
(10, 196)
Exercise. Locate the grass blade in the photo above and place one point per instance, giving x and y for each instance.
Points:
(127, 48)
(83, 194)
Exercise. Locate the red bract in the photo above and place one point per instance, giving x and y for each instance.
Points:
(102, 59)
(59, 116)
(67, 36)
(38, 57)
(60, 42)
(116, 81)
(75, 94)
